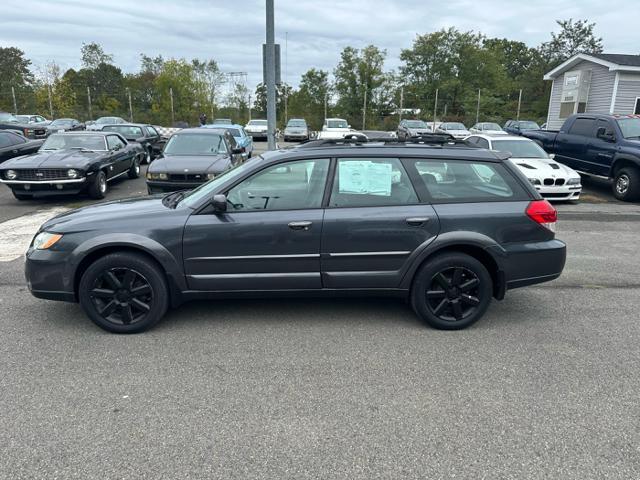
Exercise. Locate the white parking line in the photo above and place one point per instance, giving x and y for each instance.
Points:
(16, 234)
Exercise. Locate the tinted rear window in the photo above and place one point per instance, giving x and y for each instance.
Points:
(582, 126)
(464, 181)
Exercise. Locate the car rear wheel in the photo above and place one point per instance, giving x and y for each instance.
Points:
(98, 187)
(451, 291)
(123, 293)
(134, 170)
(626, 184)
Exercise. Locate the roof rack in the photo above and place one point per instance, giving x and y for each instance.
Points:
(427, 139)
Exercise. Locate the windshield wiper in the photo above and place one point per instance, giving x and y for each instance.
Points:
(172, 199)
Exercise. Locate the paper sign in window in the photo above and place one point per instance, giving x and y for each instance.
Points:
(365, 177)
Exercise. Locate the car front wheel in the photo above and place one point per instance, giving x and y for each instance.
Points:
(626, 184)
(123, 293)
(134, 170)
(451, 291)
(98, 186)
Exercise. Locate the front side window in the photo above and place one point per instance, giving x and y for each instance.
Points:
(287, 186)
(5, 140)
(465, 181)
(152, 132)
(371, 182)
(114, 143)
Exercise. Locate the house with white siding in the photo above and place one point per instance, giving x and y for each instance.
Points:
(594, 83)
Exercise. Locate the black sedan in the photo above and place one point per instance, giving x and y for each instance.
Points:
(60, 125)
(191, 157)
(13, 144)
(145, 135)
(70, 163)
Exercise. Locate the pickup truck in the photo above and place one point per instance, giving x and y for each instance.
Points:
(599, 145)
(11, 123)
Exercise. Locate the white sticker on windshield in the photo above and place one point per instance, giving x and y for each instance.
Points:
(365, 177)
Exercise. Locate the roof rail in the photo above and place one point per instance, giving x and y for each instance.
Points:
(427, 139)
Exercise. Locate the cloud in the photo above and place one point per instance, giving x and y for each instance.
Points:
(232, 32)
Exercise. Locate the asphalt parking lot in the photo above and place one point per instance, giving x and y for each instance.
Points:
(545, 386)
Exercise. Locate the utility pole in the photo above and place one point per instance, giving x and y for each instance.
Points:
(325, 105)
(50, 101)
(130, 106)
(444, 115)
(249, 107)
(478, 108)
(401, 102)
(435, 111)
(15, 104)
(90, 107)
(212, 102)
(271, 77)
(364, 108)
(286, 91)
(519, 103)
(173, 117)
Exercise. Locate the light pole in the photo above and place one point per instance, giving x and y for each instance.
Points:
(271, 78)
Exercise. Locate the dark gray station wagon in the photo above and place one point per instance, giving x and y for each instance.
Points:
(446, 227)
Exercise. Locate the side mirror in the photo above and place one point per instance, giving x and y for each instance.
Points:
(219, 203)
(602, 134)
(552, 156)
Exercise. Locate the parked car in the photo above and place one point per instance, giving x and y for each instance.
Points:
(551, 179)
(455, 129)
(489, 128)
(33, 119)
(143, 134)
(296, 129)
(102, 121)
(222, 121)
(244, 142)
(446, 228)
(257, 129)
(60, 125)
(191, 157)
(335, 128)
(516, 127)
(13, 144)
(411, 128)
(71, 163)
(10, 122)
(607, 146)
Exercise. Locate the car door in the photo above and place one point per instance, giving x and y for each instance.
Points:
(269, 237)
(374, 224)
(6, 146)
(600, 151)
(571, 146)
(120, 156)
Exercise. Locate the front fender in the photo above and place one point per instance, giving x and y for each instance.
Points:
(623, 157)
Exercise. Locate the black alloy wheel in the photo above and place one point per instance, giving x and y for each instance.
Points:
(122, 296)
(453, 294)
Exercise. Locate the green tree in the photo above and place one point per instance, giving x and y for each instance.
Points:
(573, 38)
(177, 77)
(93, 55)
(14, 72)
(308, 101)
(260, 100)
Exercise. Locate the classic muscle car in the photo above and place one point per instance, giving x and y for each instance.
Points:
(12, 144)
(70, 163)
(146, 135)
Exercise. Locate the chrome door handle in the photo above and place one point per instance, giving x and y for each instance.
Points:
(300, 225)
(417, 221)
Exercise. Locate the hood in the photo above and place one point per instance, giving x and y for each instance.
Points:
(419, 131)
(192, 163)
(85, 218)
(54, 159)
(543, 167)
(459, 133)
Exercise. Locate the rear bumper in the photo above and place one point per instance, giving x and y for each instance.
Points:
(532, 263)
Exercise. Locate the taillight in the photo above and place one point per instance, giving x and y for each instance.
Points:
(542, 212)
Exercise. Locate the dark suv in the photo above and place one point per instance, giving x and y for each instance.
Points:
(445, 226)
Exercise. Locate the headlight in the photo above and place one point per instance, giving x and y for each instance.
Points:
(534, 181)
(211, 176)
(73, 173)
(157, 176)
(45, 240)
(11, 174)
(573, 181)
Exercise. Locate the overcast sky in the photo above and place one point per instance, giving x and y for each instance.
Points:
(232, 32)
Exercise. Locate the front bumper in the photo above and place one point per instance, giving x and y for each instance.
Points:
(47, 188)
(563, 193)
(164, 186)
(46, 275)
(257, 134)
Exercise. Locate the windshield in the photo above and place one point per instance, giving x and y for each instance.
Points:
(452, 126)
(297, 123)
(105, 120)
(23, 118)
(416, 124)
(66, 142)
(7, 117)
(222, 121)
(61, 121)
(261, 123)
(529, 125)
(630, 127)
(205, 190)
(490, 126)
(126, 131)
(520, 148)
(195, 144)
(337, 124)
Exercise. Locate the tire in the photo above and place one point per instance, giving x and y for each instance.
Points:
(134, 170)
(626, 184)
(148, 157)
(98, 187)
(468, 285)
(124, 293)
(21, 196)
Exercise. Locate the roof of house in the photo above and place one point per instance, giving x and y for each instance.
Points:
(613, 61)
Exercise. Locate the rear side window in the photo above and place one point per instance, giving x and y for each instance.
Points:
(371, 182)
(582, 126)
(459, 181)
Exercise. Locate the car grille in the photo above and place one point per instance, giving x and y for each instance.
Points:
(554, 181)
(41, 174)
(187, 177)
(40, 132)
(555, 195)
